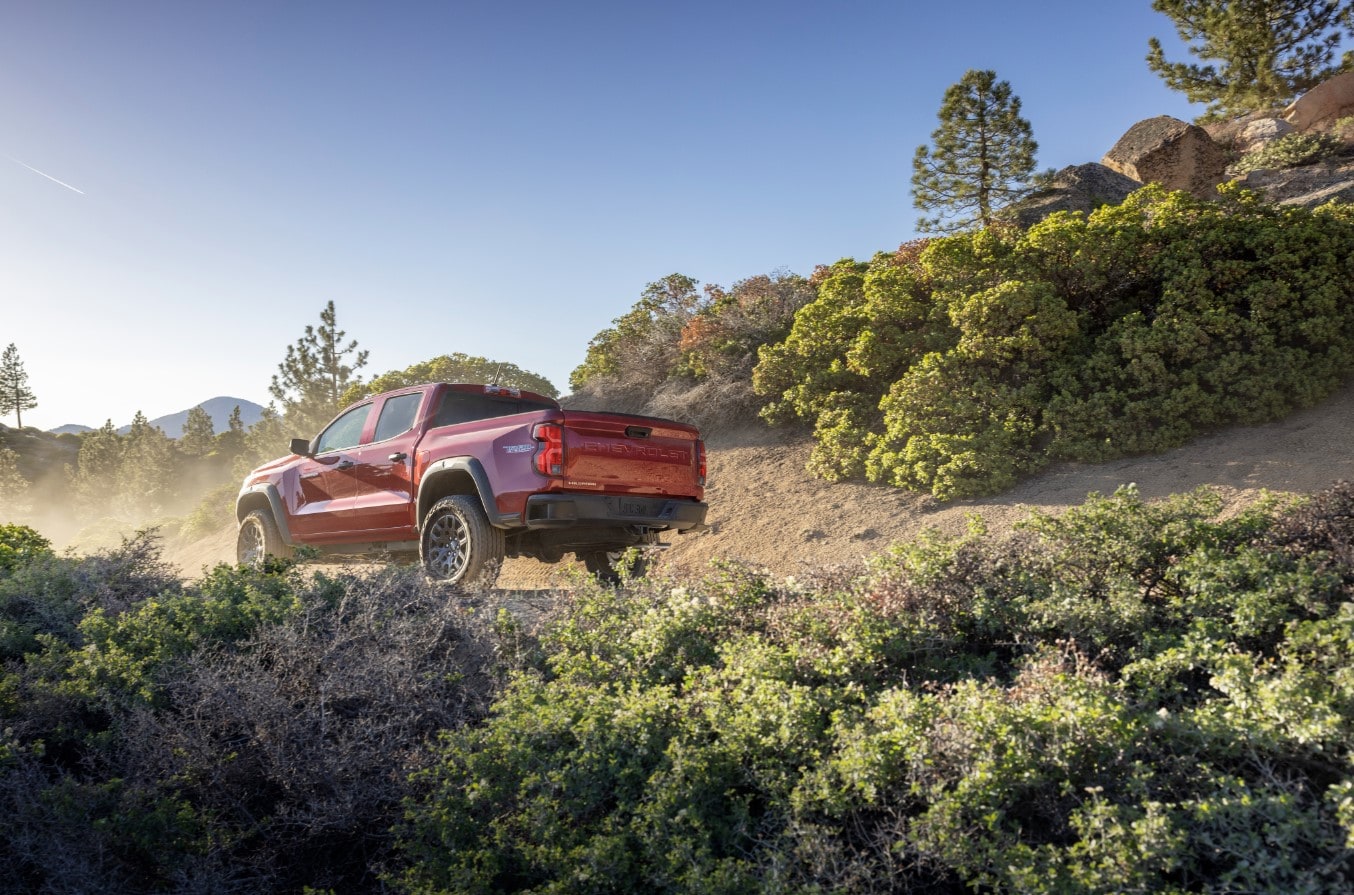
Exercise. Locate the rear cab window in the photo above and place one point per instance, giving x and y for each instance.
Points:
(465, 407)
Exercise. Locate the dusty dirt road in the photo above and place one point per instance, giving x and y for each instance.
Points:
(767, 510)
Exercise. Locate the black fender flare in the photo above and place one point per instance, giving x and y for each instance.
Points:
(269, 491)
(484, 491)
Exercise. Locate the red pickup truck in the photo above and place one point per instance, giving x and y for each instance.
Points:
(465, 475)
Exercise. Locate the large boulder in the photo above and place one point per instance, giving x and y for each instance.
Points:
(1323, 105)
(1171, 152)
(1081, 188)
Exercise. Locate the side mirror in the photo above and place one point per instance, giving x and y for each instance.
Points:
(301, 447)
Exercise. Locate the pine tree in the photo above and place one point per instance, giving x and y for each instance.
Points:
(230, 444)
(1267, 51)
(199, 434)
(146, 480)
(15, 396)
(312, 378)
(97, 467)
(982, 159)
(265, 440)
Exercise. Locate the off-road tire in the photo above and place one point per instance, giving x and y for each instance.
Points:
(457, 545)
(259, 539)
(602, 565)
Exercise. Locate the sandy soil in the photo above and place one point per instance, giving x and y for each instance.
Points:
(767, 510)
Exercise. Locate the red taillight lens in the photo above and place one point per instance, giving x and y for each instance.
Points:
(700, 463)
(550, 452)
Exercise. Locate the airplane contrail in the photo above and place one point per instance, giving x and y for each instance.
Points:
(48, 176)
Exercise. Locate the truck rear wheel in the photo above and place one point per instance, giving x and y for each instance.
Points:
(259, 539)
(606, 565)
(458, 545)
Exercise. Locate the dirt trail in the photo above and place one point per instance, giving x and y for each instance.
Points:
(767, 510)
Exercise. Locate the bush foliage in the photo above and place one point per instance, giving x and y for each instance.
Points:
(249, 732)
(960, 364)
(1129, 697)
(1290, 151)
(686, 354)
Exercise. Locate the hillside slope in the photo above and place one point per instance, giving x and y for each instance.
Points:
(766, 509)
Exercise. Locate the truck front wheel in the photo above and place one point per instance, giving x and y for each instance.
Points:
(259, 539)
(458, 545)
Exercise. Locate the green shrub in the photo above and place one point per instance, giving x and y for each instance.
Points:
(214, 511)
(987, 355)
(1289, 151)
(20, 545)
(1127, 697)
(250, 732)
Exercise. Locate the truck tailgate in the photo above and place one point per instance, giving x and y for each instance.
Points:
(631, 454)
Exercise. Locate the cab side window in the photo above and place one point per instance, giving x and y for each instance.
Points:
(344, 432)
(397, 415)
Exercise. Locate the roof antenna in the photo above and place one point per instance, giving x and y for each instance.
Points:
(497, 367)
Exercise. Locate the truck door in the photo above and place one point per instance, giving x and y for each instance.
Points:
(325, 482)
(383, 483)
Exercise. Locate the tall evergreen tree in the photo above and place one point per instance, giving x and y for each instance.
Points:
(199, 434)
(312, 378)
(263, 441)
(230, 444)
(146, 478)
(15, 395)
(97, 467)
(982, 157)
(1266, 51)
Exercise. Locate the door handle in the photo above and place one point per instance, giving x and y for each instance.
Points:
(398, 457)
(345, 464)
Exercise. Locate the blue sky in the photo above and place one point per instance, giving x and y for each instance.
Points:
(495, 178)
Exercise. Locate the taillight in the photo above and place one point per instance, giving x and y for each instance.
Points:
(550, 451)
(700, 463)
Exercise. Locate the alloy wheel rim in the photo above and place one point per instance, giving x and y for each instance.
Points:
(447, 546)
(251, 544)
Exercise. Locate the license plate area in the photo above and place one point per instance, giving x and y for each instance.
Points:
(634, 507)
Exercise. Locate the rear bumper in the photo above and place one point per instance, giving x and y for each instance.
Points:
(594, 510)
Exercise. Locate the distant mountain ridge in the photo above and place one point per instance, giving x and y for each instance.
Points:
(70, 429)
(219, 409)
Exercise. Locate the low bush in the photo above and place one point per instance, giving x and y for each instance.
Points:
(978, 358)
(21, 545)
(689, 356)
(1129, 697)
(1290, 151)
(1126, 697)
(249, 732)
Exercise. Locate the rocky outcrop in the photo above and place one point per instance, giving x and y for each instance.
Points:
(1323, 105)
(1308, 186)
(1227, 134)
(1081, 188)
(1261, 132)
(1168, 151)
